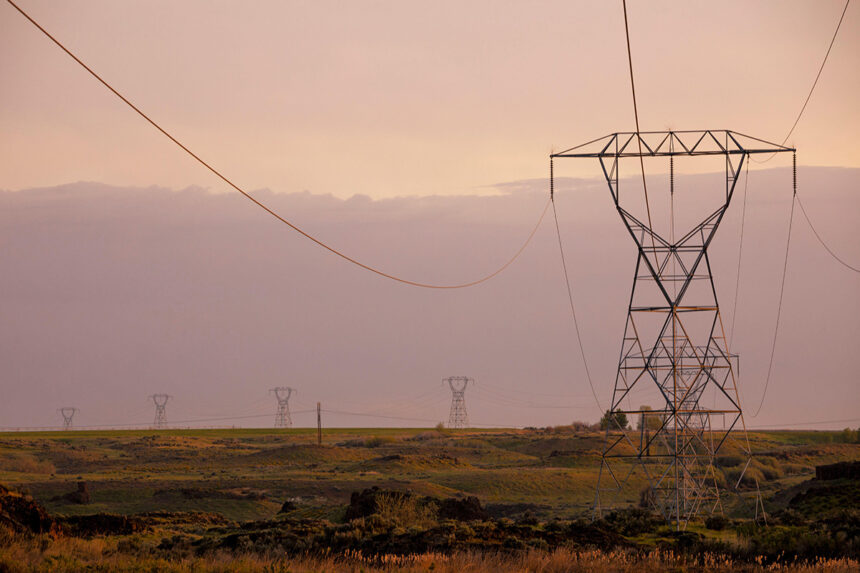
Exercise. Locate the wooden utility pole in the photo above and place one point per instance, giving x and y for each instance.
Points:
(319, 424)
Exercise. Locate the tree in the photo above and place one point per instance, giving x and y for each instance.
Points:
(649, 421)
(613, 420)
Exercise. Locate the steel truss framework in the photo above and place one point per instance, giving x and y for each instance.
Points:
(457, 418)
(673, 342)
(160, 401)
(68, 414)
(282, 416)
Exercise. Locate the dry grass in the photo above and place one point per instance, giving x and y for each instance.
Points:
(25, 463)
(43, 553)
(405, 511)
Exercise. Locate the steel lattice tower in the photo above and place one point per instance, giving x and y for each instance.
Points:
(282, 416)
(160, 401)
(674, 348)
(68, 413)
(458, 417)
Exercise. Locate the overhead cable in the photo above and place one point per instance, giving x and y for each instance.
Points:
(569, 289)
(823, 244)
(740, 253)
(260, 204)
(145, 425)
(781, 290)
(815, 83)
(638, 137)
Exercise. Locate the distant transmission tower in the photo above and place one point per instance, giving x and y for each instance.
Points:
(674, 342)
(68, 414)
(458, 417)
(282, 416)
(160, 401)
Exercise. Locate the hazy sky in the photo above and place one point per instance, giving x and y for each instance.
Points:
(391, 98)
(111, 294)
(383, 126)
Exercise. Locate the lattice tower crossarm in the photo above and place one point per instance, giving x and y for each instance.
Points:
(282, 415)
(674, 345)
(68, 414)
(160, 401)
(457, 417)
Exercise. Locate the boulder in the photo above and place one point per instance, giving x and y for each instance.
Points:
(24, 515)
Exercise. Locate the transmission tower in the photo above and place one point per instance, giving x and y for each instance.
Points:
(68, 413)
(282, 416)
(458, 418)
(160, 401)
(674, 341)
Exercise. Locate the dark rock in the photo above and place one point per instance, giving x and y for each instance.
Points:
(467, 509)
(103, 524)
(81, 496)
(839, 470)
(365, 504)
(24, 515)
(514, 510)
(288, 506)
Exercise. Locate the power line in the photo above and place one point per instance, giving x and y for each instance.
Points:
(820, 240)
(781, 290)
(815, 83)
(740, 252)
(380, 416)
(149, 424)
(569, 289)
(262, 205)
(636, 117)
(788, 427)
(369, 415)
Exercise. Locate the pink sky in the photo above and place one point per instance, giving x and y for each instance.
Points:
(111, 294)
(380, 110)
(405, 98)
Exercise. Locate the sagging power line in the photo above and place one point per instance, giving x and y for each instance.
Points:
(263, 206)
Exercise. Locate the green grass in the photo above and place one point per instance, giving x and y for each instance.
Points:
(553, 469)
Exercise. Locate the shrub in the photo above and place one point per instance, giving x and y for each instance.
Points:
(752, 476)
(717, 522)
(376, 441)
(371, 442)
(729, 461)
(25, 464)
(613, 421)
(632, 521)
(405, 511)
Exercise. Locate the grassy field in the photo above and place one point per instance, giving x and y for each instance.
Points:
(246, 475)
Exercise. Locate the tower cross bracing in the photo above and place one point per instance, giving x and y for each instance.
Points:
(457, 418)
(68, 414)
(674, 349)
(282, 415)
(160, 401)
